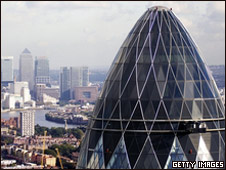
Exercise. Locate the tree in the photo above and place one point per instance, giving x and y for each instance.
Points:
(78, 133)
(51, 152)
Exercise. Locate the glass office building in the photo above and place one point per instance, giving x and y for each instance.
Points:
(42, 70)
(159, 102)
(6, 70)
(26, 68)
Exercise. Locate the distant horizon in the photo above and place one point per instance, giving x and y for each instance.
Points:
(108, 67)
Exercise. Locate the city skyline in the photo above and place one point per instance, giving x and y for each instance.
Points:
(52, 29)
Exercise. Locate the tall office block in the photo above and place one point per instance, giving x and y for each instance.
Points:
(65, 83)
(71, 77)
(42, 70)
(76, 77)
(27, 123)
(159, 103)
(85, 76)
(6, 70)
(26, 68)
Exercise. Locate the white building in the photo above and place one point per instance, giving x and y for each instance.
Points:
(48, 99)
(15, 87)
(12, 101)
(27, 123)
(29, 104)
(25, 93)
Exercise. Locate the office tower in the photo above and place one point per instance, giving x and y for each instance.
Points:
(27, 123)
(76, 77)
(71, 77)
(6, 70)
(159, 103)
(65, 83)
(26, 68)
(42, 70)
(85, 76)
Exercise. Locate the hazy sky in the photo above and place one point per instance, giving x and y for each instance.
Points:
(90, 33)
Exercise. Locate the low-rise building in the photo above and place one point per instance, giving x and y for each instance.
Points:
(12, 101)
(86, 94)
(41, 89)
(7, 162)
(12, 122)
(4, 130)
(46, 99)
(17, 86)
(48, 160)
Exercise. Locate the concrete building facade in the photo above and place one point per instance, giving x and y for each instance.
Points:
(27, 123)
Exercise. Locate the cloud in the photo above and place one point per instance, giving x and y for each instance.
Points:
(65, 5)
(78, 32)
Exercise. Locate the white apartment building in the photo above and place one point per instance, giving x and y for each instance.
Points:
(27, 122)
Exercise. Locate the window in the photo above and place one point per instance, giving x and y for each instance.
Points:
(87, 94)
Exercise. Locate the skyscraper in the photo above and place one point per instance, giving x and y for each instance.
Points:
(159, 103)
(26, 68)
(65, 83)
(42, 70)
(85, 75)
(27, 123)
(71, 77)
(76, 76)
(6, 70)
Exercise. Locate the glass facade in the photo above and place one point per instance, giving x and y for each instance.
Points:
(6, 69)
(42, 70)
(159, 102)
(26, 68)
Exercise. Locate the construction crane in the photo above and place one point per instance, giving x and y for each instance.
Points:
(43, 149)
(58, 155)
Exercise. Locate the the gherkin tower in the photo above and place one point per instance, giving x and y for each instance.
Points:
(159, 102)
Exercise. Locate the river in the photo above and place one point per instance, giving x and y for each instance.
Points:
(39, 118)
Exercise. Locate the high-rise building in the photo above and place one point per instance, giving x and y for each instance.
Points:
(26, 68)
(6, 70)
(42, 70)
(27, 123)
(65, 83)
(76, 76)
(71, 77)
(159, 103)
(85, 76)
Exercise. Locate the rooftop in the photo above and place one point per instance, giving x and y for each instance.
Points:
(26, 51)
(159, 8)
